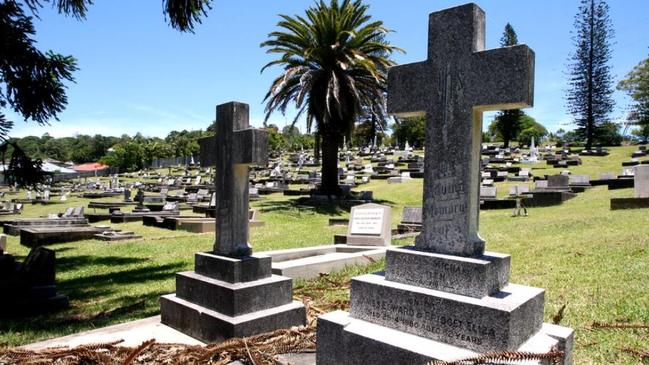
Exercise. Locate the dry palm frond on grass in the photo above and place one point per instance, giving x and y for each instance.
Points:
(505, 358)
(602, 325)
(643, 355)
(259, 350)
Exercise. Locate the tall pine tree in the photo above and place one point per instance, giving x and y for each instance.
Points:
(508, 122)
(589, 98)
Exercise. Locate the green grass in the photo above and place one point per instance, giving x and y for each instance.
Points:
(593, 260)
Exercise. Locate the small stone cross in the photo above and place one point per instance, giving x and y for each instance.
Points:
(237, 146)
(452, 88)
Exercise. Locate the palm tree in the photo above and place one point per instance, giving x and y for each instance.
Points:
(335, 62)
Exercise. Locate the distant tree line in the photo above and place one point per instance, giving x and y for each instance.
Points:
(126, 152)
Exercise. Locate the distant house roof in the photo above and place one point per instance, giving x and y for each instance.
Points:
(90, 166)
(46, 167)
(50, 167)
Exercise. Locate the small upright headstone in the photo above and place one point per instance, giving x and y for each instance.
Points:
(583, 180)
(541, 184)
(488, 192)
(369, 225)
(641, 181)
(518, 190)
(558, 181)
(3, 243)
(411, 215)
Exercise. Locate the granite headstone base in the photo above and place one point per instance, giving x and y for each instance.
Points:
(471, 276)
(500, 322)
(450, 306)
(343, 340)
(226, 297)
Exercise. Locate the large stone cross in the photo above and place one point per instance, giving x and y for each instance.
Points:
(452, 88)
(237, 146)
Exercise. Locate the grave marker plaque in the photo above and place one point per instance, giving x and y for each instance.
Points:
(369, 224)
(367, 221)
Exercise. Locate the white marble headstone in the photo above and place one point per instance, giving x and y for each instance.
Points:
(369, 225)
(641, 181)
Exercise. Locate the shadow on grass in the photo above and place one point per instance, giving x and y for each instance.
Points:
(303, 205)
(40, 327)
(86, 288)
(73, 262)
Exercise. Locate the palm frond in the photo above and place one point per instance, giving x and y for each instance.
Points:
(184, 15)
(334, 59)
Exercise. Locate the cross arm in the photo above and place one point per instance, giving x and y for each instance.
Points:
(503, 78)
(250, 147)
(409, 87)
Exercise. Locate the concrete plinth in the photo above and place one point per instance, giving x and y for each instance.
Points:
(475, 277)
(343, 340)
(494, 323)
(230, 297)
(310, 262)
(210, 326)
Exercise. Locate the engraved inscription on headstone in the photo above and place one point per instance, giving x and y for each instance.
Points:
(411, 215)
(367, 221)
(452, 88)
(369, 225)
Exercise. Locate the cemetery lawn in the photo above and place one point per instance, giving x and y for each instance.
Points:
(588, 258)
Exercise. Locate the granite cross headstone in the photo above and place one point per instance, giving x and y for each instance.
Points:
(452, 88)
(237, 146)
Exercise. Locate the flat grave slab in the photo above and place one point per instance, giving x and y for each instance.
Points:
(106, 205)
(40, 236)
(310, 262)
(133, 333)
(114, 236)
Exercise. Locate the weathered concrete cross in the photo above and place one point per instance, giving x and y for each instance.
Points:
(237, 146)
(453, 87)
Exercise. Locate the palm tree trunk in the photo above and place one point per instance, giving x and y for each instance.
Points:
(330, 164)
(316, 146)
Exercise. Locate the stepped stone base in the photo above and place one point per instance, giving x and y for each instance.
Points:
(494, 323)
(475, 277)
(226, 297)
(343, 340)
(428, 306)
(210, 326)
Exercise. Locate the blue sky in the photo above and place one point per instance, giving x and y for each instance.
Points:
(139, 75)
